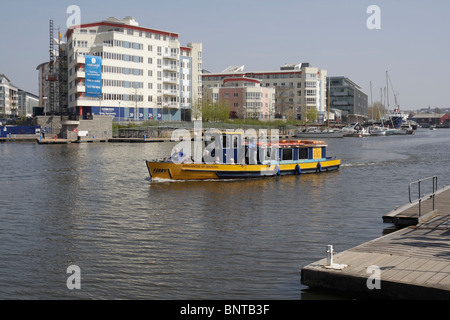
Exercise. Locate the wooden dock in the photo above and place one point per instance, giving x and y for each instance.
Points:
(409, 213)
(410, 263)
(139, 140)
(52, 141)
(20, 138)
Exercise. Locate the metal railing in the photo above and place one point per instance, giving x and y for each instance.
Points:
(420, 197)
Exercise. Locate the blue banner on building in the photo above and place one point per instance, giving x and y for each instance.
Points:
(93, 80)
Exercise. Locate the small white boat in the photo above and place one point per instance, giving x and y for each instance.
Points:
(355, 130)
(377, 131)
(407, 128)
(404, 129)
(314, 132)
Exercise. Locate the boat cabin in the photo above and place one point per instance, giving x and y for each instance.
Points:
(235, 147)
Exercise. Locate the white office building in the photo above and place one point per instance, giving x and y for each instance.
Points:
(146, 73)
(26, 102)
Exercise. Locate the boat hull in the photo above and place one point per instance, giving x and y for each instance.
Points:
(321, 135)
(192, 171)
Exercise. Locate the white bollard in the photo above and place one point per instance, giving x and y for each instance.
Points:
(330, 263)
(330, 255)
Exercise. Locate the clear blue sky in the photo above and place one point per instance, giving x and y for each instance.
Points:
(413, 43)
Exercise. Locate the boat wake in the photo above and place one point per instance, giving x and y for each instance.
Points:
(369, 164)
(162, 180)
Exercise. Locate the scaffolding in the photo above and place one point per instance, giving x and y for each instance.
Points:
(51, 76)
(57, 75)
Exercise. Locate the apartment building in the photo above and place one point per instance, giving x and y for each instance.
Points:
(246, 98)
(43, 85)
(145, 73)
(298, 87)
(15, 102)
(8, 97)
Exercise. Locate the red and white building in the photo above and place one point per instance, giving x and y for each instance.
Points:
(245, 97)
(298, 87)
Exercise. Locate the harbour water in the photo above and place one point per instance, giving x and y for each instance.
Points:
(94, 206)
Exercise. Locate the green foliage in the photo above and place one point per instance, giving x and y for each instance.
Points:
(214, 111)
(273, 123)
(312, 115)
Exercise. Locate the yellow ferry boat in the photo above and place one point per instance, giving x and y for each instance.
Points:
(232, 158)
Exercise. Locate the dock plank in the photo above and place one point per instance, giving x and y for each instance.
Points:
(414, 262)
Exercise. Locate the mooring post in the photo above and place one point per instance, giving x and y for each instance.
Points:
(330, 255)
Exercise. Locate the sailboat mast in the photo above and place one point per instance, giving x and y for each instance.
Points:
(328, 103)
(387, 90)
(371, 100)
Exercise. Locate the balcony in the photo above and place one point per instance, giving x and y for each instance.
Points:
(170, 105)
(81, 74)
(170, 92)
(171, 56)
(172, 80)
(170, 67)
(81, 88)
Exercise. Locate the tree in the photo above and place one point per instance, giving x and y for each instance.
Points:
(312, 114)
(376, 111)
(197, 110)
(214, 111)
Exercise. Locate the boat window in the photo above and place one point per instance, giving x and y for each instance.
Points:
(287, 154)
(302, 153)
(235, 142)
(225, 142)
